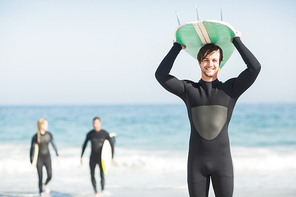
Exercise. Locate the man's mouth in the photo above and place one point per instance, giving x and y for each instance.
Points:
(210, 68)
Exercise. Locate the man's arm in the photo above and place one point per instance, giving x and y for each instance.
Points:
(169, 82)
(84, 146)
(111, 143)
(249, 75)
(33, 142)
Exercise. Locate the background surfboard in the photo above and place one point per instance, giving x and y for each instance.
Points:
(194, 35)
(35, 155)
(106, 155)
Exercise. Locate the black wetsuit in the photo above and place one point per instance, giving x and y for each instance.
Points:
(209, 106)
(97, 139)
(43, 156)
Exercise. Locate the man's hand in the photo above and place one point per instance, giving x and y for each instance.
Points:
(81, 160)
(238, 34)
(183, 47)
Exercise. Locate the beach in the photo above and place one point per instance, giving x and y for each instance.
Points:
(150, 156)
(144, 175)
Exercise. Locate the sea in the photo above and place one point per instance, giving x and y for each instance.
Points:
(150, 151)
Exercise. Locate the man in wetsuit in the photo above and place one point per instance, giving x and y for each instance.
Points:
(210, 104)
(97, 136)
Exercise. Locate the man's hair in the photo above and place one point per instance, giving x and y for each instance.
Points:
(97, 118)
(209, 49)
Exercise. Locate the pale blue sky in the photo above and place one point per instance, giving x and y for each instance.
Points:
(106, 52)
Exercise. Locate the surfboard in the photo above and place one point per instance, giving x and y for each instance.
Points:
(194, 35)
(106, 156)
(35, 155)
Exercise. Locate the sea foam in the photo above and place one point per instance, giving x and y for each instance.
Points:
(15, 159)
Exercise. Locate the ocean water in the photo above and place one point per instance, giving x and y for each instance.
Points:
(151, 149)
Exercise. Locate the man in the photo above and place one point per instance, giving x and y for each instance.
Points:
(97, 136)
(210, 104)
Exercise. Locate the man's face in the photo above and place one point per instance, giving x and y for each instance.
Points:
(210, 65)
(97, 124)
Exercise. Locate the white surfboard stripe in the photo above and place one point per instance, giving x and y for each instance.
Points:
(199, 33)
(202, 33)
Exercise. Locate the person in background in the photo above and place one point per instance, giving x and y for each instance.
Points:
(97, 136)
(42, 138)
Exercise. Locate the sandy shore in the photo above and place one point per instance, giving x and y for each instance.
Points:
(137, 183)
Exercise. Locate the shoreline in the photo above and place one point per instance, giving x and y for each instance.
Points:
(135, 183)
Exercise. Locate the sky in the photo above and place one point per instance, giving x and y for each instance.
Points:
(62, 52)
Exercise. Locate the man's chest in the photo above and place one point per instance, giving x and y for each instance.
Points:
(198, 96)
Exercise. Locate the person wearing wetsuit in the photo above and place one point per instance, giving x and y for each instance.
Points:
(43, 138)
(97, 136)
(210, 104)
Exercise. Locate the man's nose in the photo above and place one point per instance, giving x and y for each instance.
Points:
(211, 63)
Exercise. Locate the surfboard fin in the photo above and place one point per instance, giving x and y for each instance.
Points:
(197, 17)
(178, 18)
(221, 13)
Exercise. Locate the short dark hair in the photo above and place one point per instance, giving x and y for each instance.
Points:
(96, 118)
(209, 49)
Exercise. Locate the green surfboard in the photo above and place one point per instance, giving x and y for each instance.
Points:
(194, 35)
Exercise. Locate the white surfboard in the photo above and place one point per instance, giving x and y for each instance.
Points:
(106, 156)
(35, 155)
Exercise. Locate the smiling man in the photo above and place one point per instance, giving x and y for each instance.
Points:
(210, 104)
(209, 59)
